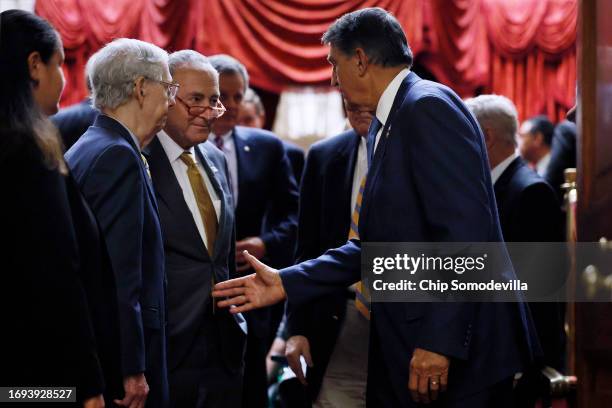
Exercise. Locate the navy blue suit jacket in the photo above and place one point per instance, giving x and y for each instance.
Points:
(267, 203)
(266, 189)
(429, 181)
(324, 223)
(110, 172)
(529, 212)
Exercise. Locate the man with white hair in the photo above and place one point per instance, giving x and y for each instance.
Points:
(205, 346)
(528, 212)
(131, 86)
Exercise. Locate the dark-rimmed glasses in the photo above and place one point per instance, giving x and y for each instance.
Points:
(210, 112)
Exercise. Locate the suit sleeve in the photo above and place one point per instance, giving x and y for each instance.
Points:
(231, 259)
(115, 191)
(299, 317)
(279, 237)
(445, 152)
(334, 270)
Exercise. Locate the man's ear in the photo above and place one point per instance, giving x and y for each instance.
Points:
(35, 66)
(362, 61)
(139, 90)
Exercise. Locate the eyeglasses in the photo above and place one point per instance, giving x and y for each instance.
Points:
(171, 88)
(211, 112)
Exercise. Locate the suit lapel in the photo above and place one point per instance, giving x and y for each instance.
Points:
(345, 162)
(387, 132)
(114, 126)
(169, 191)
(213, 173)
(242, 149)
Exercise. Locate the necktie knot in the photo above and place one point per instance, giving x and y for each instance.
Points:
(188, 160)
(219, 142)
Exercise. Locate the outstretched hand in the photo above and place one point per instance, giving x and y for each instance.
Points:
(260, 289)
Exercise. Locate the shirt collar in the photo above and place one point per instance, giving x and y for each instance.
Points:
(501, 167)
(543, 164)
(385, 103)
(172, 149)
(224, 136)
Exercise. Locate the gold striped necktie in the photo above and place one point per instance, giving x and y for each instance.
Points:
(205, 206)
(362, 295)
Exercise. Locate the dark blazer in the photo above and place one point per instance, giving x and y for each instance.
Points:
(74, 120)
(266, 189)
(111, 174)
(429, 181)
(562, 156)
(529, 212)
(324, 223)
(189, 267)
(266, 208)
(295, 154)
(48, 336)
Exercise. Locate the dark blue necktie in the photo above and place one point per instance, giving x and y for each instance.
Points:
(372, 132)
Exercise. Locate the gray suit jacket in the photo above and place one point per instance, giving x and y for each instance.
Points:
(189, 267)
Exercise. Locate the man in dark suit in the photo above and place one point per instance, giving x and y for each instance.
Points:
(562, 156)
(535, 139)
(264, 188)
(428, 181)
(205, 346)
(331, 328)
(528, 212)
(113, 177)
(74, 120)
(253, 114)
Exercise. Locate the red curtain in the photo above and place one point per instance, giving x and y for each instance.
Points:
(524, 49)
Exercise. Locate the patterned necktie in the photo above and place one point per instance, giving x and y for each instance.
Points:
(219, 142)
(362, 295)
(146, 164)
(203, 200)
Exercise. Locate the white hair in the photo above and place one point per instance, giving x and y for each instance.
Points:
(114, 68)
(496, 112)
(190, 59)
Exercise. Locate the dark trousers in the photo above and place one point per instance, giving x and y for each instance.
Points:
(201, 379)
(255, 376)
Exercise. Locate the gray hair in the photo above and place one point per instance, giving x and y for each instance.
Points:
(250, 96)
(190, 59)
(496, 112)
(224, 64)
(114, 68)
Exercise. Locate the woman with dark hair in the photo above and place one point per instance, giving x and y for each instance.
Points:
(58, 307)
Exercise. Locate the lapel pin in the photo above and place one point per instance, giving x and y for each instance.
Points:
(247, 149)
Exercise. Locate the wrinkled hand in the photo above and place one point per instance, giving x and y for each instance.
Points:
(136, 391)
(260, 289)
(255, 246)
(94, 402)
(428, 375)
(298, 346)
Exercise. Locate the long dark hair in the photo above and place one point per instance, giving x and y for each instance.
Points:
(21, 119)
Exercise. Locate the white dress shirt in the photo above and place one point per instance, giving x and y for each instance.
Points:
(361, 168)
(174, 151)
(501, 167)
(229, 150)
(385, 103)
(543, 165)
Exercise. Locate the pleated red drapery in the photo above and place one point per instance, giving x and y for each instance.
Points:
(524, 49)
